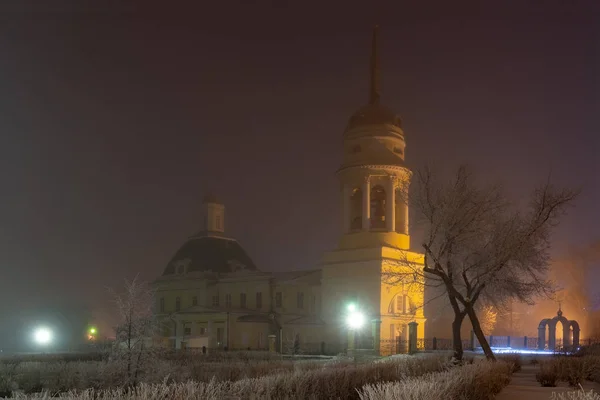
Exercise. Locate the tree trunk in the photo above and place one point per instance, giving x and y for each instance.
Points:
(137, 364)
(456, 337)
(487, 350)
(459, 316)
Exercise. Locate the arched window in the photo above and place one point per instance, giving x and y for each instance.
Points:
(356, 210)
(377, 207)
(400, 305)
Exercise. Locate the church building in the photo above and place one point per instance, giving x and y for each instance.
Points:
(212, 294)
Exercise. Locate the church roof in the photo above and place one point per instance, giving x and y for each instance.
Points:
(374, 114)
(313, 275)
(210, 254)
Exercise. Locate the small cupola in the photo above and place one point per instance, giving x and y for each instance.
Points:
(214, 214)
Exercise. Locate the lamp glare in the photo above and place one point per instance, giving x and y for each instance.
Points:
(42, 336)
(355, 320)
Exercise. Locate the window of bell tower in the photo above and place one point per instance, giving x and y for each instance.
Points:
(356, 210)
(378, 207)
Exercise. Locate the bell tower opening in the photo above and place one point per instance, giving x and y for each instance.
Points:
(378, 209)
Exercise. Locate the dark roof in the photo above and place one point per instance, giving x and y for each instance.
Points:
(306, 320)
(374, 114)
(289, 276)
(214, 254)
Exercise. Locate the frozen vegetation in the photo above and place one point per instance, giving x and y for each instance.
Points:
(247, 377)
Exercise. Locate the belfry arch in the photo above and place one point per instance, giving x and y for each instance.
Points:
(379, 208)
(567, 326)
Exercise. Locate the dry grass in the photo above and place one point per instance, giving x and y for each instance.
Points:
(578, 395)
(331, 381)
(32, 377)
(478, 381)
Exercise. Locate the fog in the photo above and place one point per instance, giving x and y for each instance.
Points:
(573, 272)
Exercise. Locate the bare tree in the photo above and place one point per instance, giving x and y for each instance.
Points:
(136, 328)
(479, 245)
(291, 343)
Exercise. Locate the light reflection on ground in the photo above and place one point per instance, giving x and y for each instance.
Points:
(505, 350)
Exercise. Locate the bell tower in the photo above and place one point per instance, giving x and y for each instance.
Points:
(373, 176)
(374, 182)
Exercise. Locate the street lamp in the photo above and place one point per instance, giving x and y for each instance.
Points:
(42, 336)
(355, 320)
(92, 333)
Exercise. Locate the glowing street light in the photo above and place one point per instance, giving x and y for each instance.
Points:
(355, 319)
(42, 336)
(92, 332)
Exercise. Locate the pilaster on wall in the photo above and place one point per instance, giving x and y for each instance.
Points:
(347, 193)
(366, 221)
(390, 207)
(376, 332)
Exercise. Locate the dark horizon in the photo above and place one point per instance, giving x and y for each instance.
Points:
(116, 122)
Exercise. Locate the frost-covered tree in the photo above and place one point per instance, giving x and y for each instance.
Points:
(478, 244)
(136, 327)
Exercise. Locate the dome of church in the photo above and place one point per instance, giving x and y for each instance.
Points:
(210, 254)
(210, 250)
(373, 114)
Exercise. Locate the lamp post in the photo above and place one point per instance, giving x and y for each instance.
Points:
(43, 337)
(355, 320)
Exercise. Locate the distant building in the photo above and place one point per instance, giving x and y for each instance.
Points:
(211, 293)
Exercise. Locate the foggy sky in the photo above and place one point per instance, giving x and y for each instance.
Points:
(115, 122)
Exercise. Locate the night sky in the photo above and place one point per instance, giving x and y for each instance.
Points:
(115, 122)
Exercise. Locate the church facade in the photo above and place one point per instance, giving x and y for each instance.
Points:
(211, 294)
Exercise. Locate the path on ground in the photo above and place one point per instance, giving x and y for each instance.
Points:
(523, 386)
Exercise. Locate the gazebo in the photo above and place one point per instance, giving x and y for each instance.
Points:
(551, 323)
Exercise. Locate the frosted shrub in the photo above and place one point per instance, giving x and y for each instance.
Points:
(477, 381)
(572, 370)
(514, 359)
(56, 377)
(592, 368)
(578, 395)
(335, 380)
